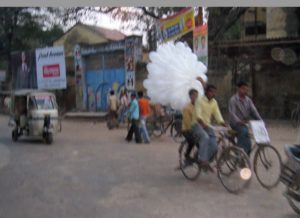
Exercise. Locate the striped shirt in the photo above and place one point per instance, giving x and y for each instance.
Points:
(242, 110)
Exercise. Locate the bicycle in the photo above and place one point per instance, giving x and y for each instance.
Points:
(232, 163)
(156, 126)
(266, 157)
(295, 115)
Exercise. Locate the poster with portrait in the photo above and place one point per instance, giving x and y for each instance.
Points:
(42, 68)
(24, 70)
(130, 80)
(130, 63)
(129, 55)
(200, 43)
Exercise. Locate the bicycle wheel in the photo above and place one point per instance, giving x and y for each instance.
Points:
(267, 166)
(189, 168)
(176, 133)
(294, 204)
(157, 128)
(295, 118)
(234, 169)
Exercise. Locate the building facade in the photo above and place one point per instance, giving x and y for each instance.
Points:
(102, 67)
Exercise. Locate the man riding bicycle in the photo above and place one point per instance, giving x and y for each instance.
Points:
(205, 107)
(187, 116)
(241, 110)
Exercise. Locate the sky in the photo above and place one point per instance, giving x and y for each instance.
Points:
(104, 20)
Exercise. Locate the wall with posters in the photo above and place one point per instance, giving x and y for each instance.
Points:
(177, 25)
(103, 67)
(42, 68)
(201, 43)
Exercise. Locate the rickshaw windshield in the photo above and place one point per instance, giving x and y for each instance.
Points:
(44, 102)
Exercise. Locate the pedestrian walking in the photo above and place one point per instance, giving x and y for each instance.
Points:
(134, 115)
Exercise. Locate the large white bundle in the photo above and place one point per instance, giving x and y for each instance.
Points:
(172, 73)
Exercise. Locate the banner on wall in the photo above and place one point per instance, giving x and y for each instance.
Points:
(133, 54)
(178, 24)
(51, 68)
(200, 43)
(39, 69)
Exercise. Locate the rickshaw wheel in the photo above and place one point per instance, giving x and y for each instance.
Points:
(14, 135)
(49, 138)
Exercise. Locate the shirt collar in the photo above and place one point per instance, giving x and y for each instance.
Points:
(207, 100)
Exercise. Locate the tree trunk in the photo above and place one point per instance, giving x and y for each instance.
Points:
(9, 77)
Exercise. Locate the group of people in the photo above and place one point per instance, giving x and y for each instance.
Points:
(197, 121)
(137, 110)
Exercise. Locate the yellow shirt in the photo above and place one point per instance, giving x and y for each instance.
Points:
(113, 103)
(205, 109)
(187, 116)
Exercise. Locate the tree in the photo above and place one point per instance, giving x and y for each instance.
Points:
(134, 18)
(221, 19)
(140, 19)
(25, 28)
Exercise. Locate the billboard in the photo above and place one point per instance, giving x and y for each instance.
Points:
(178, 24)
(51, 68)
(24, 70)
(39, 69)
(200, 43)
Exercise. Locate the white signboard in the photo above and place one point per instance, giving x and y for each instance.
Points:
(51, 68)
(260, 132)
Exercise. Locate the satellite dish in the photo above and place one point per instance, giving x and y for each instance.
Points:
(290, 56)
(277, 54)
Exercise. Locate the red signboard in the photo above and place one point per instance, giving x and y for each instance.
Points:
(50, 71)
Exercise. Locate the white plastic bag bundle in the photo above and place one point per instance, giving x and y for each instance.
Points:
(173, 71)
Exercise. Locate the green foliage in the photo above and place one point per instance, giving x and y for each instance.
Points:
(26, 28)
(233, 33)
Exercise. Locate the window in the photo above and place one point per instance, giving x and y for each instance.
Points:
(251, 28)
(45, 102)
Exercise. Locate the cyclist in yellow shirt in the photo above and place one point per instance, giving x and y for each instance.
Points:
(187, 116)
(205, 107)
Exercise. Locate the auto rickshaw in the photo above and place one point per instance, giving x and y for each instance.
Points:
(34, 113)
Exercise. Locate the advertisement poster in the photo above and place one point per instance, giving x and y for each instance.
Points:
(201, 43)
(51, 68)
(129, 55)
(79, 78)
(24, 70)
(130, 80)
(130, 64)
(178, 24)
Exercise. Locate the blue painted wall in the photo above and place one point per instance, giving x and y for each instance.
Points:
(99, 83)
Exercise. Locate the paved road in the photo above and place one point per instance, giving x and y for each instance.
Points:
(92, 172)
